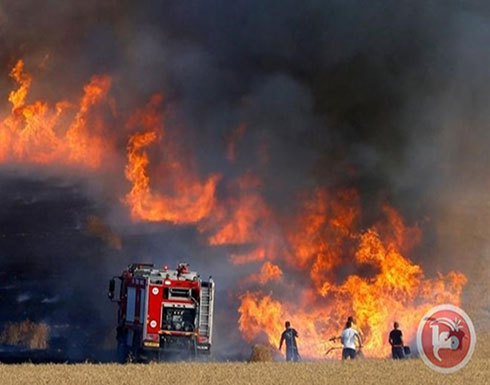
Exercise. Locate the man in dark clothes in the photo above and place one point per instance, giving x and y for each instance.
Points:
(396, 342)
(289, 335)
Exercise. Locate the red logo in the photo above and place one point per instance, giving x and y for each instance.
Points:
(446, 338)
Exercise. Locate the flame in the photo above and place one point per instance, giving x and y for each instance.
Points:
(271, 312)
(18, 97)
(83, 146)
(244, 219)
(269, 272)
(243, 214)
(255, 255)
(350, 272)
(38, 133)
(189, 200)
(323, 233)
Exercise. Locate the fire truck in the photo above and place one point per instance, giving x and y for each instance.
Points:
(162, 313)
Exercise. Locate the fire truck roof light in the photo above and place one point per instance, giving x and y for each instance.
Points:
(167, 282)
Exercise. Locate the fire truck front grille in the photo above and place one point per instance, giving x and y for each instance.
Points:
(178, 319)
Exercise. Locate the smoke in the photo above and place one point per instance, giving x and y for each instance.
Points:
(388, 97)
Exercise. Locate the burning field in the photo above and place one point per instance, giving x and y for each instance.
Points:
(316, 168)
(320, 241)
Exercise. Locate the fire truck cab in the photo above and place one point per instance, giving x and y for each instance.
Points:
(162, 313)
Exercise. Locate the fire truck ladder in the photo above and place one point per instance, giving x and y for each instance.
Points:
(206, 304)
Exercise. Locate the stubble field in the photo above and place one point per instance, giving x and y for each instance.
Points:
(376, 372)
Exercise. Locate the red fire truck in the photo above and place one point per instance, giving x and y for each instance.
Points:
(162, 313)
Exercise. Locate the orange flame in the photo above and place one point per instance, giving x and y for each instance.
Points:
(350, 272)
(190, 200)
(243, 214)
(323, 233)
(257, 254)
(244, 219)
(37, 133)
(269, 272)
(18, 97)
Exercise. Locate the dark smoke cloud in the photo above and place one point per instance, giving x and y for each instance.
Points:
(390, 97)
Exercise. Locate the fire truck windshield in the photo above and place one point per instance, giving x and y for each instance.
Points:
(179, 293)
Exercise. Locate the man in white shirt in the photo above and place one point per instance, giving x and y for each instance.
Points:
(348, 339)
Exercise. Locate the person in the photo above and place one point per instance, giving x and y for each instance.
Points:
(396, 342)
(359, 331)
(289, 335)
(348, 339)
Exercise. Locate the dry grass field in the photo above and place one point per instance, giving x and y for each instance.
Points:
(27, 333)
(361, 372)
